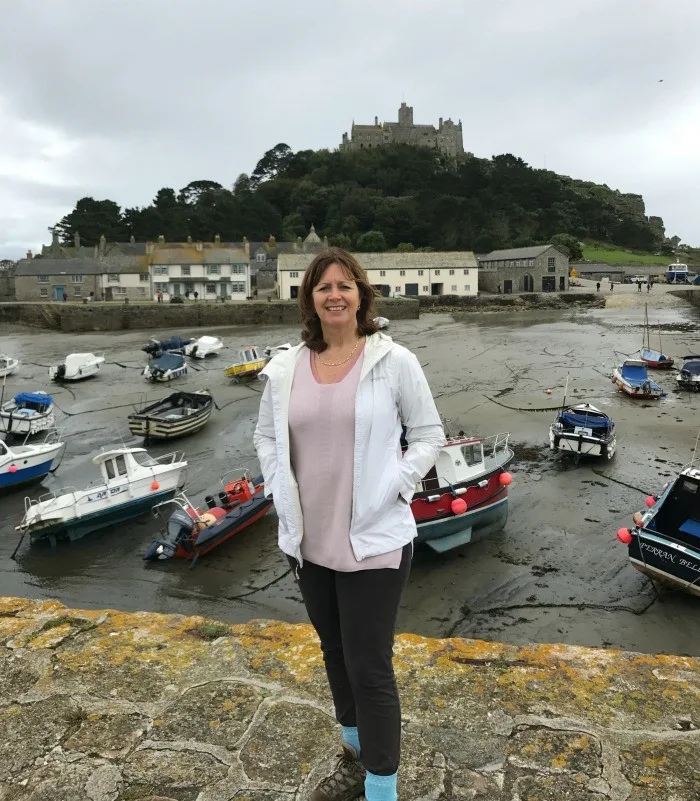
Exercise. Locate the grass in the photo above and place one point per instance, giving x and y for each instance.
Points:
(622, 257)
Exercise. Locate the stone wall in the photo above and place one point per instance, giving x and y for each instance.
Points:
(529, 300)
(121, 316)
(112, 706)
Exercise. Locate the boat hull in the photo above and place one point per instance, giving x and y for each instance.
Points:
(12, 423)
(670, 563)
(169, 375)
(154, 428)
(582, 445)
(446, 533)
(25, 475)
(635, 391)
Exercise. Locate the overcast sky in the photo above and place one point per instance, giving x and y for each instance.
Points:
(117, 98)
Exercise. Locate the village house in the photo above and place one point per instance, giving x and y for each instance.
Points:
(395, 274)
(542, 268)
(264, 255)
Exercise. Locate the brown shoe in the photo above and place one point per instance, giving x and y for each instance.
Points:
(347, 780)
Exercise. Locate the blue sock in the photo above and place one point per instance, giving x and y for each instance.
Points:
(380, 788)
(351, 737)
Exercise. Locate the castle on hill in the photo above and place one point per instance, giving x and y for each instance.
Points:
(447, 137)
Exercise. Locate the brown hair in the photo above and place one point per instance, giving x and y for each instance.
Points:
(312, 334)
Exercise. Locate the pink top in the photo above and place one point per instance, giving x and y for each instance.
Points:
(322, 448)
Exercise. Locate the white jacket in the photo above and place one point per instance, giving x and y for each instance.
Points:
(392, 390)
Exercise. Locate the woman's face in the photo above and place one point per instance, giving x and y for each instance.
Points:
(336, 298)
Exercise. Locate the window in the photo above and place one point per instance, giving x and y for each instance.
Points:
(44, 292)
(294, 274)
(210, 289)
(517, 263)
(530, 262)
(261, 258)
(160, 270)
(160, 287)
(472, 454)
(551, 268)
(452, 272)
(143, 277)
(402, 272)
(185, 269)
(466, 272)
(121, 465)
(382, 273)
(120, 290)
(550, 261)
(109, 467)
(397, 289)
(76, 279)
(454, 287)
(238, 269)
(144, 459)
(43, 279)
(237, 286)
(420, 272)
(437, 272)
(425, 289)
(77, 291)
(467, 287)
(113, 278)
(213, 269)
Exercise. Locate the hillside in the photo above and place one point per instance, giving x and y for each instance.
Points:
(379, 199)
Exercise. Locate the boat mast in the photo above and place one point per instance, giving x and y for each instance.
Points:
(2, 394)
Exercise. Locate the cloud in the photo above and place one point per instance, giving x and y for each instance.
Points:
(118, 99)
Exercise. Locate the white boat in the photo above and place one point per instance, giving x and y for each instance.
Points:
(631, 377)
(27, 413)
(688, 377)
(677, 273)
(584, 431)
(20, 464)
(7, 365)
(203, 347)
(76, 367)
(382, 323)
(131, 483)
(165, 368)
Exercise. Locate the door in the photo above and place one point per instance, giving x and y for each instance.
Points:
(293, 292)
(436, 289)
(507, 287)
(411, 289)
(549, 283)
(562, 283)
(108, 293)
(58, 292)
(528, 283)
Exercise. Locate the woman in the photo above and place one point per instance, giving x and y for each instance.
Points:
(328, 440)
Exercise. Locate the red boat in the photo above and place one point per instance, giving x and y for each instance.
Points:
(191, 532)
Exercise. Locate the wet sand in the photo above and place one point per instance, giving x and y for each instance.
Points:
(555, 574)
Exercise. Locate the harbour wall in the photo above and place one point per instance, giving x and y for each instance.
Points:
(522, 301)
(113, 706)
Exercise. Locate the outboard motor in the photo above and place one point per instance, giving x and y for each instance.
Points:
(179, 529)
(210, 501)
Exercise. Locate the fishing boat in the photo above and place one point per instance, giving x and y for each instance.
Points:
(632, 378)
(689, 375)
(664, 542)
(165, 367)
(677, 273)
(174, 344)
(76, 367)
(7, 365)
(251, 361)
(656, 359)
(131, 483)
(191, 532)
(465, 495)
(177, 415)
(584, 431)
(28, 413)
(203, 347)
(22, 464)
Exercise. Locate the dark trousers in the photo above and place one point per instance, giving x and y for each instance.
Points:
(354, 615)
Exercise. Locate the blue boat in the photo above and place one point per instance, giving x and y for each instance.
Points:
(677, 273)
(175, 344)
(27, 414)
(689, 375)
(165, 368)
(23, 464)
(584, 431)
(633, 379)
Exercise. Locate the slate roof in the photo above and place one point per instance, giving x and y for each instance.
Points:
(187, 253)
(46, 266)
(518, 253)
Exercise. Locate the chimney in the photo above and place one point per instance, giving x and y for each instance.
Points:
(54, 237)
(76, 240)
(149, 248)
(246, 246)
(376, 121)
(199, 245)
(440, 122)
(103, 245)
(217, 239)
(30, 255)
(132, 240)
(161, 239)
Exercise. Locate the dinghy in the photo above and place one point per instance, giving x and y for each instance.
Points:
(7, 365)
(177, 415)
(632, 378)
(165, 367)
(27, 413)
(191, 532)
(204, 347)
(251, 361)
(584, 431)
(21, 464)
(175, 344)
(131, 483)
(76, 367)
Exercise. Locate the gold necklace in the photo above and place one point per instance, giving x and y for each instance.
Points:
(337, 364)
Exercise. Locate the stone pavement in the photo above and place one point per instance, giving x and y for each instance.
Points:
(113, 706)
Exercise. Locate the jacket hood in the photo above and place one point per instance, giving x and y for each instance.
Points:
(376, 347)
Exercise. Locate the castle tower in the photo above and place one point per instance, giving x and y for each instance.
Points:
(405, 116)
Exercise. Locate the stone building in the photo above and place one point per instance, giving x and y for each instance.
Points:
(447, 137)
(541, 268)
(394, 274)
(264, 255)
(7, 280)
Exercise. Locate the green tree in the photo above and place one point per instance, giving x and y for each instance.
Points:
(340, 241)
(372, 242)
(92, 218)
(568, 244)
(272, 163)
(405, 247)
(194, 190)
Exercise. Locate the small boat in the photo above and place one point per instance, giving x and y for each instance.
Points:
(22, 464)
(250, 362)
(175, 344)
(203, 347)
(177, 415)
(583, 430)
(132, 482)
(165, 367)
(656, 359)
(382, 323)
(677, 273)
(664, 542)
(689, 375)
(632, 378)
(7, 365)
(76, 367)
(191, 532)
(465, 495)
(27, 413)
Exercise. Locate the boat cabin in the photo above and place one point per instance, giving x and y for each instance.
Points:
(122, 463)
(465, 459)
(250, 354)
(37, 402)
(679, 514)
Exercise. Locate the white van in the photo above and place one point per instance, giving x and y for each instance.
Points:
(638, 278)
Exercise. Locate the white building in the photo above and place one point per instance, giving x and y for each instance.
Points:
(394, 274)
(212, 270)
